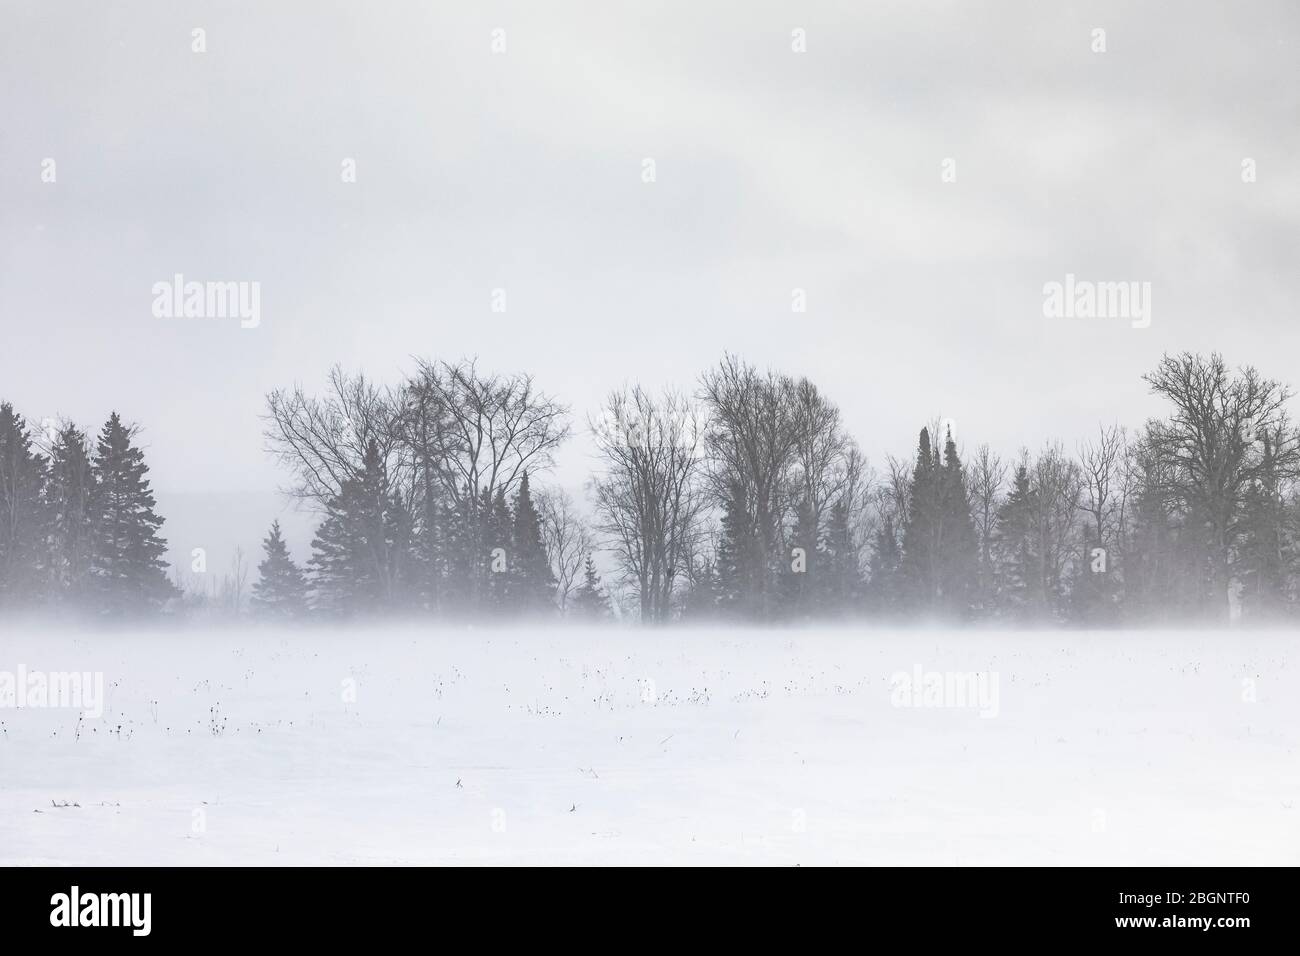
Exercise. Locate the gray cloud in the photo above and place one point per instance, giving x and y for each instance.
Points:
(775, 170)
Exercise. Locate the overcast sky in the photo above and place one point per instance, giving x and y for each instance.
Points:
(523, 170)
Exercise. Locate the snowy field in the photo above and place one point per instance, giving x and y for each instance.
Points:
(433, 746)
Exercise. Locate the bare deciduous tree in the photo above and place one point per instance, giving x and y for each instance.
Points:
(567, 540)
(1209, 448)
(1102, 464)
(492, 428)
(1058, 485)
(827, 462)
(323, 441)
(985, 475)
(649, 497)
(751, 442)
(473, 436)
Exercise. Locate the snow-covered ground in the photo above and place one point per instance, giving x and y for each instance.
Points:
(434, 745)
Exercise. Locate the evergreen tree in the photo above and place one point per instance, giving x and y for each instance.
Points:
(404, 579)
(463, 566)
(71, 494)
(24, 519)
(1019, 561)
(280, 593)
(130, 575)
(703, 594)
(842, 585)
(429, 553)
(500, 559)
(740, 562)
(532, 583)
(958, 545)
(1266, 563)
(919, 571)
(1094, 594)
(341, 579)
(804, 571)
(1166, 575)
(883, 595)
(589, 602)
(361, 551)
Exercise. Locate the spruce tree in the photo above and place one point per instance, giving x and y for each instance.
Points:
(703, 594)
(918, 571)
(24, 518)
(589, 602)
(1019, 557)
(532, 583)
(361, 560)
(429, 553)
(1266, 559)
(341, 580)
(130, 575)
(404, 576)
(1165, 570)
(958, 545)
(1094, 593)
(842, 583)
(280, 592)
(70, 494)
(740, 562)
(803, 574)
(462, 564)
(500, 560)
(883, 570)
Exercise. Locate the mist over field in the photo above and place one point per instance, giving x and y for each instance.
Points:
(532, 745)
(723, 433)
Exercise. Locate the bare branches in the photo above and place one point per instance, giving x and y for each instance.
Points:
(985, 476)
(322, 441)
(1101, 464)
(491, 428)
(649, 497)
(567, 540)
(1227, 431)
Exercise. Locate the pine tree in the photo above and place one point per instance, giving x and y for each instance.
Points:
(842, 586)
(280, 592)
(919, 574)
(1166, 576)
(459, 553)
(429, 554)
(703, 594)
(532, 583)
(883, 578)
(24, 518)
(1094, 593)
(341, 579)
(740, 562)
(70, 494)
(361, 560)
(498, 537)
(404, 581)
(589, 602)
(1019, 563)
(130, 575)
(958, 545)
(1266, 562)
(803, 574)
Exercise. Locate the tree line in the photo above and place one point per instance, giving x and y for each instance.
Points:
(745, 499)
(78, 529)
